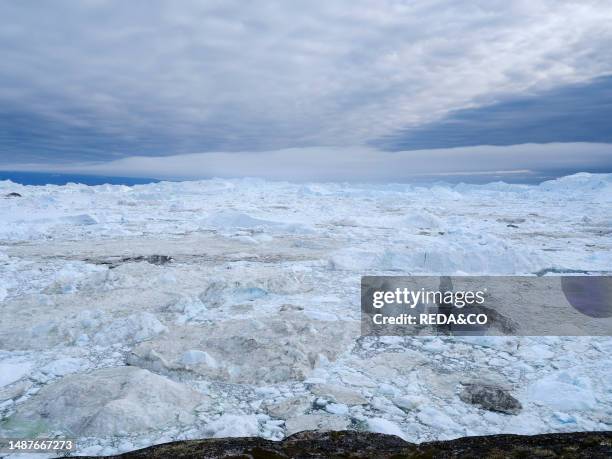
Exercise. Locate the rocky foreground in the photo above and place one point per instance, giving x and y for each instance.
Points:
(365, 445)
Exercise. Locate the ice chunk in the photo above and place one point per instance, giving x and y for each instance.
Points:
(436, 418)
(564, 392)
(107, 402)
(14, 391)
(64, 366)
(288, 408)
(422, 219)
(409, 402)
(248, 351)
(339, 394)
(233, 425)
(233, 219)
(83, 219)
(321, 422)
(196, 357)
(337, 408)
(384, 426)
(13, 370)
(133, 328)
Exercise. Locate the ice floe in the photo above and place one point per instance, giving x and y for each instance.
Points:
(137, 315)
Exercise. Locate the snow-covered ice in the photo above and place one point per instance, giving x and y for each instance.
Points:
(12, 370)
(249, 323)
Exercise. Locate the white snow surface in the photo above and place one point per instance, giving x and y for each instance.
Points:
(257, 311)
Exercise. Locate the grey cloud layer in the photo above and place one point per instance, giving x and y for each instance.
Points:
(270, 75)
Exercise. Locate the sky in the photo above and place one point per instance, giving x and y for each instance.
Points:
(305, 89)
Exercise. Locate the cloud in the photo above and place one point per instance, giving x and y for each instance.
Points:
(163, 77)
(573, 113)
(357, 163)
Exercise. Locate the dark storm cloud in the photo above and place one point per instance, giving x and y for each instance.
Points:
(575, 113)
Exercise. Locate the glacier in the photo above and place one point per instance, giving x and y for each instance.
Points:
(136, 315)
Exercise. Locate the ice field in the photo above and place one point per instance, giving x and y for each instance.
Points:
(139, 315)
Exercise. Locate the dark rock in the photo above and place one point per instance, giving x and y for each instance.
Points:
(355, 444)
(512, 221)
(13, 195)
(158, 259)
(545, 271)
(490, 397)
(114, 261)
(153, 259)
